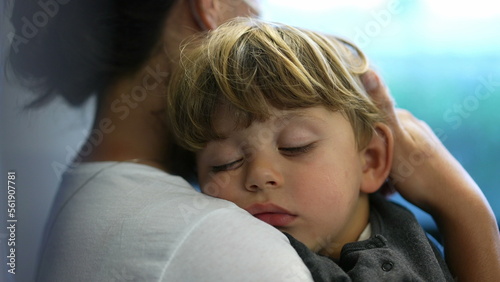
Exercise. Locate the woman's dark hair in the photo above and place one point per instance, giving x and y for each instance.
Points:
(75, 48)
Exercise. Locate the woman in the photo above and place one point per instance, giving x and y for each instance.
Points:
(120, 215)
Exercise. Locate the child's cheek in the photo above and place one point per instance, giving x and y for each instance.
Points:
(217, 185)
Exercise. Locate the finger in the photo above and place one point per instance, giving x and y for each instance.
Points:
(406, 118)
(380, 96)
(404, 115)
(420, 134)
(375, 87)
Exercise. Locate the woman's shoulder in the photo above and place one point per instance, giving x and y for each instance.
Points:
(122, 214)
(128, 184)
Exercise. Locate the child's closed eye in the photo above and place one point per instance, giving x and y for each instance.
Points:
(228, 166)
(294, 151)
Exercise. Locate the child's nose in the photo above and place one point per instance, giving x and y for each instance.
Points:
(263, 173)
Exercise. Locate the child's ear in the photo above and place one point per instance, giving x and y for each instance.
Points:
(206, 13)
(376, 159)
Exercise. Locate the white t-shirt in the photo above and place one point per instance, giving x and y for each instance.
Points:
(130, 222)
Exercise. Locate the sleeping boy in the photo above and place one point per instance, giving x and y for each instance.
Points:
(281, 126)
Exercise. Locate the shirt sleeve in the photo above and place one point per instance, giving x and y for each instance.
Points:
(230, 245)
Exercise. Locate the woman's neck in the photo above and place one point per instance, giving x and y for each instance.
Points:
(130, 121)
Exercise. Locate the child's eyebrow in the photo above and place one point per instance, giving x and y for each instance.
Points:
(296, 114)
(279, 120)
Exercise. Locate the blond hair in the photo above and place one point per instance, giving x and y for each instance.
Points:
(253, 66)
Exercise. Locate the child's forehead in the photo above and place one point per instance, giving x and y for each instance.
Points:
(226, 121)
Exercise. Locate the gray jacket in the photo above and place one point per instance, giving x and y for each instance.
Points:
(398, 250)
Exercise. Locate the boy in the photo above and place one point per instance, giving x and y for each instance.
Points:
(282, 127)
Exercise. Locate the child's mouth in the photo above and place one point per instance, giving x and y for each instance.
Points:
(276, 219)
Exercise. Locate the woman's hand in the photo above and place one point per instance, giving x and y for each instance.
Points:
(422, 169)
(426, 174)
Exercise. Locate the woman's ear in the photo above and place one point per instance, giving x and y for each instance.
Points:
(206, 13)
(377, 158)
